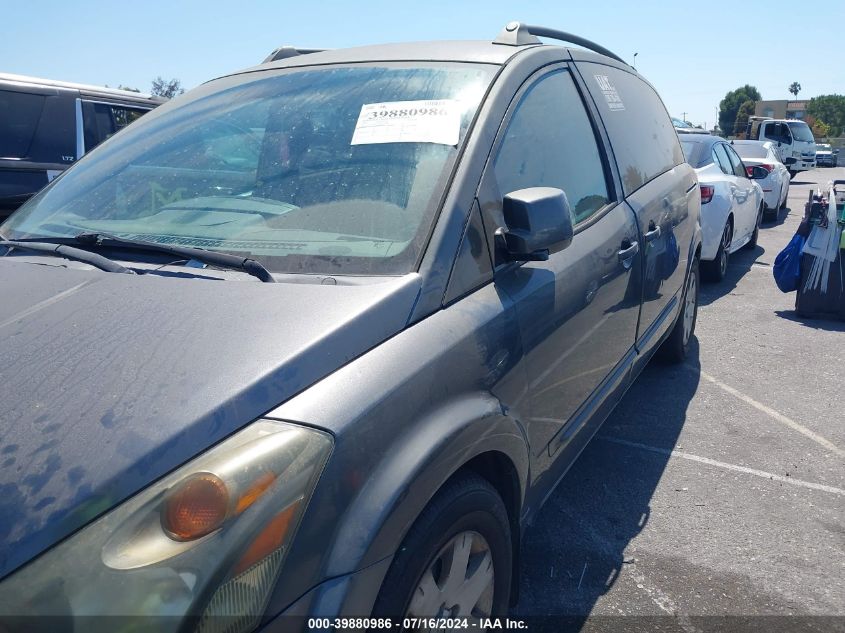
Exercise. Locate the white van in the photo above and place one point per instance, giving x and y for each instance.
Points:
(792, 138)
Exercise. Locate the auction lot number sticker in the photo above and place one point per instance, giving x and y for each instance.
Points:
(434, 121)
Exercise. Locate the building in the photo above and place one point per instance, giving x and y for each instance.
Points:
(781, 109)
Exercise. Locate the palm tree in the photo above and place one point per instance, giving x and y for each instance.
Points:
(795, 88)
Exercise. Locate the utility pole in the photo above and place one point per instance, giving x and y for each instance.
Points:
(635, 60)
(684, 117)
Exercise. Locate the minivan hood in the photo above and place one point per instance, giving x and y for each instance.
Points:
(109, 381)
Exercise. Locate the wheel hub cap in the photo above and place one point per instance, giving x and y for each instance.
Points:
(458, 582)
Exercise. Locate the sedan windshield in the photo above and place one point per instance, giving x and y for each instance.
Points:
(333, 170)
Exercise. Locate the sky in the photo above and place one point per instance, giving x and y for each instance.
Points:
(692, 53)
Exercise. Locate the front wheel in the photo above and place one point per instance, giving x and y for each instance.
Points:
(455, 561)
(676, 347)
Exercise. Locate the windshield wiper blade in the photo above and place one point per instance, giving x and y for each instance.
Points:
(68, 252)
(212, 258)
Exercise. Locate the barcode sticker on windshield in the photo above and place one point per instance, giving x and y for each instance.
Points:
(436, 121)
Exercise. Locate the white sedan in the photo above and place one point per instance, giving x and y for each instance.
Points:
(776, 184)
(731, 202)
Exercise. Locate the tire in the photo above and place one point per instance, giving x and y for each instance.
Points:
(676, 347)
(466, 515)
(716, 270)
(785, 198)
(752, 243)
(770, 215)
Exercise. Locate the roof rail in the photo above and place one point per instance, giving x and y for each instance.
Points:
(283, 52)
(518, 34)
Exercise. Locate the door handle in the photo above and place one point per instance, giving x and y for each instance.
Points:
(627, 253)
(653, 233)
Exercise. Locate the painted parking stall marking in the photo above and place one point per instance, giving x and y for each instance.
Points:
(803, 430)
(713, 462)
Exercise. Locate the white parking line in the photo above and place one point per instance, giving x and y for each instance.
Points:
(772, 413)
(712, 462)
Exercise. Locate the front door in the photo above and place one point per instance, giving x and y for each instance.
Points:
(578, 310)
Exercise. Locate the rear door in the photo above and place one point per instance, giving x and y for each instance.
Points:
(745, 196)
(577, 311)
(658, 185)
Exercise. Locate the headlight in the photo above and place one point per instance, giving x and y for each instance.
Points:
(796, 154)
(206, 542)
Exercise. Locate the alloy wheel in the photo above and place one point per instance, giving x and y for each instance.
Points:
(726, 245)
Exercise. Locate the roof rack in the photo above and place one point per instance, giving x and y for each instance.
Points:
(283, 52)
(518, 34)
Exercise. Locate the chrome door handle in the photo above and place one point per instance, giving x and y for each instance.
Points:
(653, 234)
(629, 252)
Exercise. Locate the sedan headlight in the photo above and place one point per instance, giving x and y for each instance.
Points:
(201, 548)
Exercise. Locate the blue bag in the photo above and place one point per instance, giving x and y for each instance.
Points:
(787, 268)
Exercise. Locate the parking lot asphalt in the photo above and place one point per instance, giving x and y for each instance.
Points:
(714, 495)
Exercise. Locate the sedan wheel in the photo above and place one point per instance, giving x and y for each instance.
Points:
(752, 243)
(725, 250)
(717, 269)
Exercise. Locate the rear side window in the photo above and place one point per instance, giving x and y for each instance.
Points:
(102, 120)
(19, 116)
(720, 157)
(736, 163)
(641, 132)
(550, 142)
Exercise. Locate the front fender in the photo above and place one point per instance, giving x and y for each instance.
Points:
(413, 469)
(405, 417)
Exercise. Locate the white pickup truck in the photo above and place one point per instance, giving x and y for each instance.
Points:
(793, 140)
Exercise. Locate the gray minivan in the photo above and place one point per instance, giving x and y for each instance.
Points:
(317, 339)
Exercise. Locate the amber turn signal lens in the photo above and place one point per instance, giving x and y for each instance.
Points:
(269, 540)
(195, 507)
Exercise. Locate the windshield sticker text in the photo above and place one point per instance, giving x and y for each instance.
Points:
(435, 121)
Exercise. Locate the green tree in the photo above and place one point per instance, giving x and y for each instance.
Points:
(795, 88)
(122, 87)
(729, 106)
(745, 110)
(167, 88)
(820, 129)
(831, 110)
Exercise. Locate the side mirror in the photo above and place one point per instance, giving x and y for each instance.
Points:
(538, 221)
(755, 172)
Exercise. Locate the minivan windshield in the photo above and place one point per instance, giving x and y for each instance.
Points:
(328, 170)
(801, 131)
